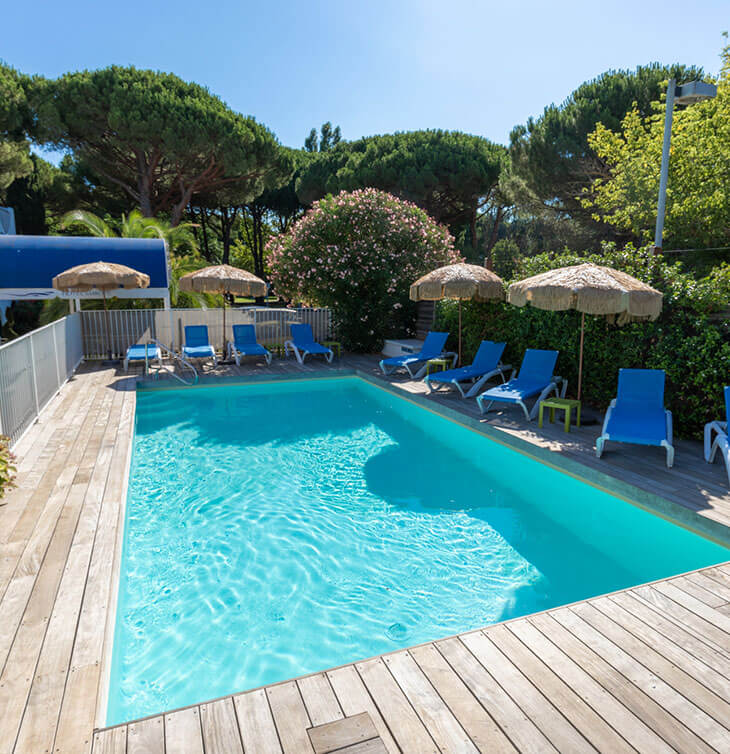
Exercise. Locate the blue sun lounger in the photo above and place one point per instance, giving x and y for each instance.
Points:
(197, 345)
(303, 343)
(245, 344)
(720, 441)
(486, 365)
(142, 352)
(432, 348)
(637, 414)
(534, 379)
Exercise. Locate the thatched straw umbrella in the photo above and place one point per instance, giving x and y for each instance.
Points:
(226, 280)
(590, 289)
(100, 276)
(460, 281)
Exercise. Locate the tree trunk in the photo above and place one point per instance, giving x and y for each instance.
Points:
(473, 229)
(228, 218)
(204, 227)
(493, 236)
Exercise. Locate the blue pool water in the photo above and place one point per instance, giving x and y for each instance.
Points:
(278, 529)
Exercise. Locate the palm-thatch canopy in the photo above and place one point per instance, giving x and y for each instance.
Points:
(222, 278)
(590, 289)
(100, 276)
(462, 281)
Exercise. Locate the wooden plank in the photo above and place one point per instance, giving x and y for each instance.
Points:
(673, 652)
(673, 632)
(319, 699)
(220, 728)
(709, 706)
(77, 715)
(696, 606)
(698, 591)
(717, 574)
(404, 724)
(373, 746)
(146, 736)
(641, 704)
(619, 717)
(539, 709)
(481, 728)
(256, 723)
(342, 733)
(44, 700)
(521, 731)
(714, 584)
(692, 720)
(354, 698)
(435, 714)
(110, 741)
(599, 734)
(290, 717)
(183, 732)
(683, 617)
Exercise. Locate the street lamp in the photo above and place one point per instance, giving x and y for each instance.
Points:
(687, 94)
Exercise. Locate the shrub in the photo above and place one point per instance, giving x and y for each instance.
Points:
(692, 348)
(7, 468)
(358, 254)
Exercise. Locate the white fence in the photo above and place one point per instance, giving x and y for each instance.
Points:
(32, 368)
(130, 326)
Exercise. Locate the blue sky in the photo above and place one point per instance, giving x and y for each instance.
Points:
(370, 66)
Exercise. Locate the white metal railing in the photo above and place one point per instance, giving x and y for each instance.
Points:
(130, 326)
(168, 353)
(33, 368)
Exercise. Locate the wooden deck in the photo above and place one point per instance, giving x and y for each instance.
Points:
(645, 669)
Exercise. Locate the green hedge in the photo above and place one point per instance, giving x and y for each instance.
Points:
(693, 349)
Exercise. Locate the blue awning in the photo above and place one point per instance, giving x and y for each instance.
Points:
(28, 264)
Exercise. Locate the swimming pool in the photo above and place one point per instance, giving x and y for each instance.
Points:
(282, 528)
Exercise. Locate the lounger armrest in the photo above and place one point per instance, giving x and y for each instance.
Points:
(606, 418)
(670, 437)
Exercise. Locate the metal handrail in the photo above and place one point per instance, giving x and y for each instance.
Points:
(175, 357)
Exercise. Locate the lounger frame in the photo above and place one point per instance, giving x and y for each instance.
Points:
(475, 385)
(146, 359)
(667, 444)
(302, 353)
(718, 442)
(389, 369)
(557, 385)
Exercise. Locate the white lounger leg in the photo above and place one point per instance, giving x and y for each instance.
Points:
(601, 441)
(477, 386)
(669, 442)
(551, 388)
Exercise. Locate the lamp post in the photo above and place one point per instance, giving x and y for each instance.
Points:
(686, 94)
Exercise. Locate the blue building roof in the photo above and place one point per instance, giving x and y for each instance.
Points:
(31, 262)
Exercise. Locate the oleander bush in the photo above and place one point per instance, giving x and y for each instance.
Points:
(7, 467)
(690, 340)
(358, 253)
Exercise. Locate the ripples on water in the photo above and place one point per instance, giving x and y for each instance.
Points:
(276, 530)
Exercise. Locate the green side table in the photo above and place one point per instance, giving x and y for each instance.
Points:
(435, 365)
(333, 345)
(563, 404)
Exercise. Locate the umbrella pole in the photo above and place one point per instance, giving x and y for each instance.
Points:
(224, 326)
(106, 321)
(580, 358)
(459, 332)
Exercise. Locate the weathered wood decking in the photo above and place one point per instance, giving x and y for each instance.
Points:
(648, 668)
